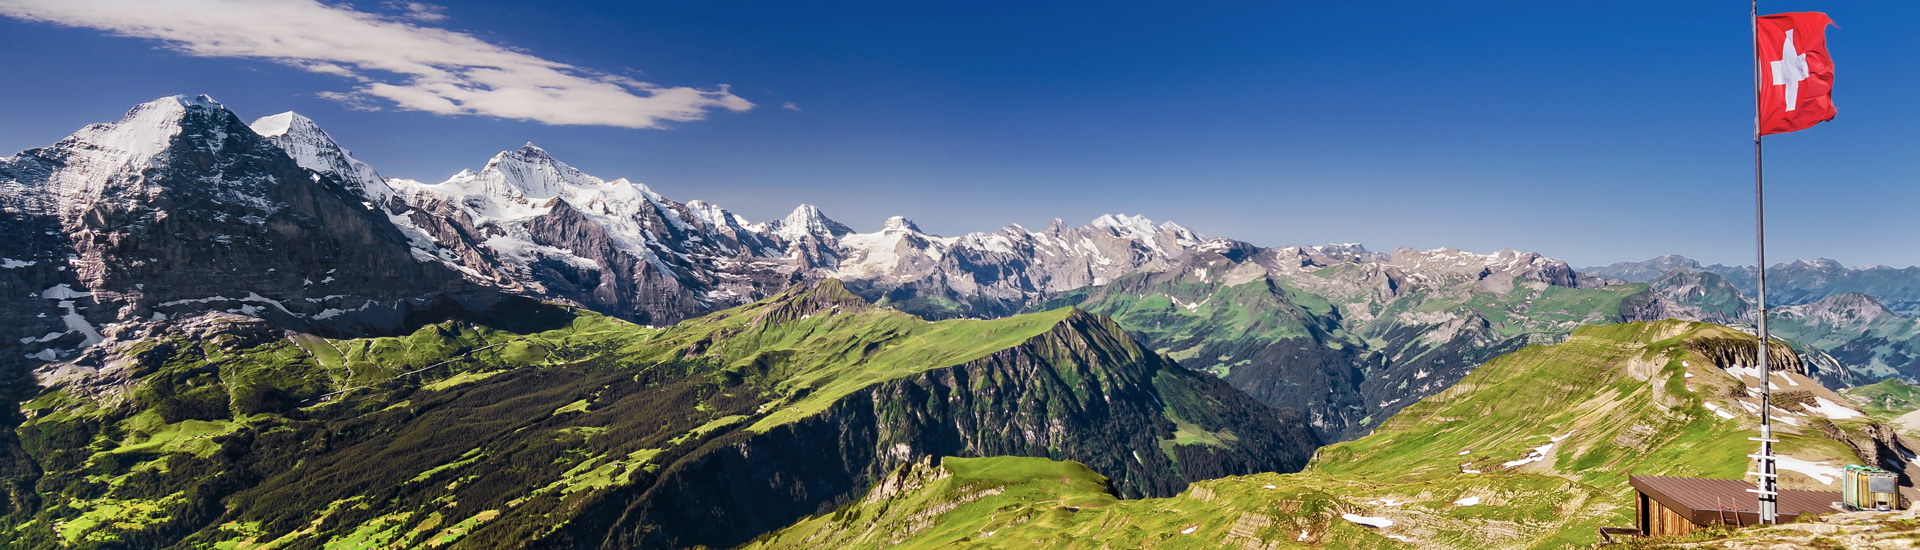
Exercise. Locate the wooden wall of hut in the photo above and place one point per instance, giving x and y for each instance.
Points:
(1657, 520)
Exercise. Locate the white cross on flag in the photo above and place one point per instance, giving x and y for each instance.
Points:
(1796, 74)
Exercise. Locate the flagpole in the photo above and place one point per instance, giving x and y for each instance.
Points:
(1768, 475)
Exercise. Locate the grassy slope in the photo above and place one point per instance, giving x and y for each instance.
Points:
(1617, 397)
(1034, 503)
(1887, 399)
(250, 439)
(818, 358)
(108, 457)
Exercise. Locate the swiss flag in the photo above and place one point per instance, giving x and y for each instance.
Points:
(1796, 74)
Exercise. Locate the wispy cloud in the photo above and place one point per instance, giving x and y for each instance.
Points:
(419, 11)
(790, 106)
(393, 63)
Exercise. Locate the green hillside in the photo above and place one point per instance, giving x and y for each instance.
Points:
(1612, 400)
(566, 428)
(1530, 451)
(1888, 398)
(1015, 503)
(1333, 341)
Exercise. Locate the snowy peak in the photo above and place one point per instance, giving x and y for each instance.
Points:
(1505, 264)
(713, 216)
(1122, 225)
(105, 155)
(148, 129)
(806, 220)
(532, 173)
(1347, 250)
(280, 124)
(1822, 264)
(898, 224)
(313, 149)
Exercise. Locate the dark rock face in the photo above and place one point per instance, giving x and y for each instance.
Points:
(1327, 384)
(181, 208)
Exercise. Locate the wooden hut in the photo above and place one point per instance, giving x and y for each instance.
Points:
(1677, 506)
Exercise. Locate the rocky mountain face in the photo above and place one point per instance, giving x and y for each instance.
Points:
(180, 208)
(553, 427)
(1791, 283)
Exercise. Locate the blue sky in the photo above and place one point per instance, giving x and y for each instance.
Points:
(1592, 135)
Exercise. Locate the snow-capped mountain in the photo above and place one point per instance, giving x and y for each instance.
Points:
(180, 207)
(313, 149)
(531, 223)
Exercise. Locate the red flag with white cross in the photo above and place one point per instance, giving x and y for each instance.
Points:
(1796, 74)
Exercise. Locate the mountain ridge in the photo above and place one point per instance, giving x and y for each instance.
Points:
(1793, 282)
(1531, 451)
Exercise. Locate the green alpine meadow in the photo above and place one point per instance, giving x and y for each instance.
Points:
(551, 426)
(1531, 450)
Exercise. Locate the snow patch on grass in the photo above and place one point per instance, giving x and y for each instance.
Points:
(1832, 410)
(1818, 470)
(1367, 521)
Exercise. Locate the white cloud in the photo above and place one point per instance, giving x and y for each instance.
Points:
(393, 62)
(419, 11)
(790, 106)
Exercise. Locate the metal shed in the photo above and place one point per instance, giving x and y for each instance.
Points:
(1870, 488)
(1677, 506)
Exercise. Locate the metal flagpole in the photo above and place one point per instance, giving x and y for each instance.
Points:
(1768, 475)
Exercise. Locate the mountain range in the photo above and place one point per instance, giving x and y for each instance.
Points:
(1791, 283)
(213, 326)
(135, 219)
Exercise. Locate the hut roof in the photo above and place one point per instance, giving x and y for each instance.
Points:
(1709, 501)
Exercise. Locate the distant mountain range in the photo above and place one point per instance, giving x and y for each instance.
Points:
(182, 208)
(1790, 283)
(1835, 314)
(211, 324)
